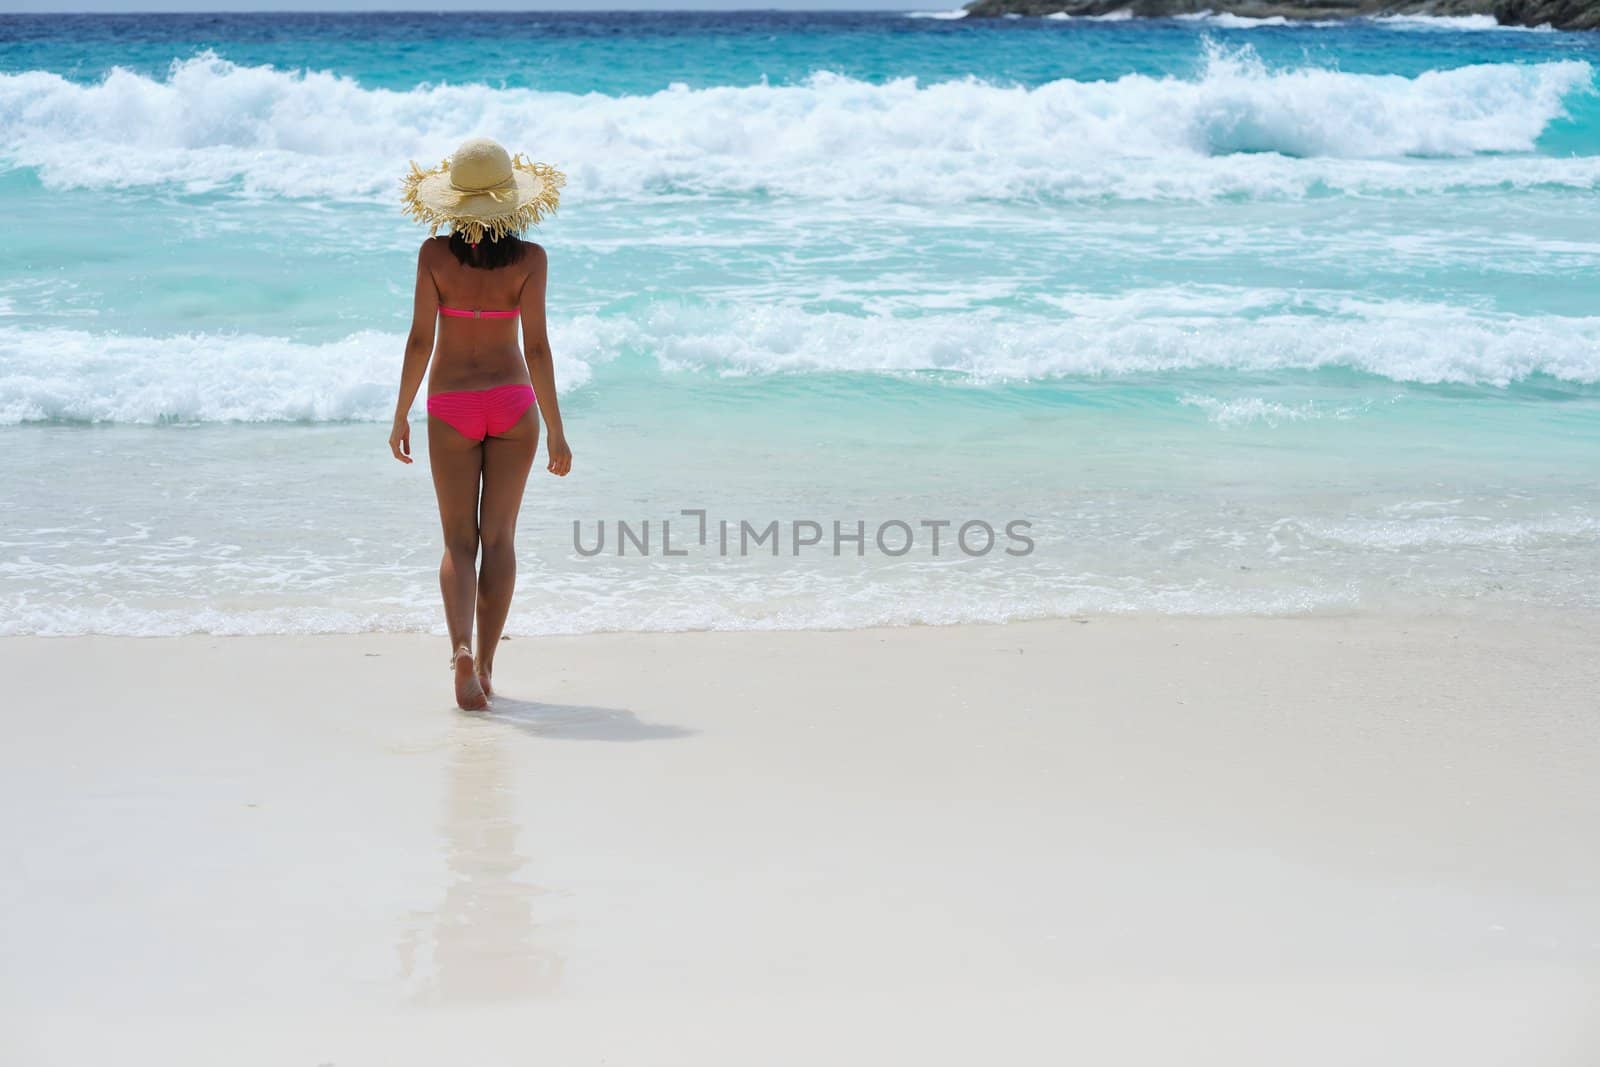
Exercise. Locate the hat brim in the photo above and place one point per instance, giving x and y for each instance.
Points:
(532, 192)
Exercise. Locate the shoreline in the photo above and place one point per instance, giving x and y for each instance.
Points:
(1411, 610)
(1292, 839)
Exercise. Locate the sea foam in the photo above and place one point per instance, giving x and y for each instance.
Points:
(1451, 22)
(1228, 21)
(1233, 128)
(73, 375)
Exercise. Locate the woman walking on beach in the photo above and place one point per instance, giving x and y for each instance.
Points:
(484, 396)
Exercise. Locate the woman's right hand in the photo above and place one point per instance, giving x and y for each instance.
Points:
(400, 439)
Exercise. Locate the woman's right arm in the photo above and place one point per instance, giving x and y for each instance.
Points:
(541, 362)
(419, 350)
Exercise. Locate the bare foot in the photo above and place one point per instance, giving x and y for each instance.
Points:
(483, 680)
(469, 691)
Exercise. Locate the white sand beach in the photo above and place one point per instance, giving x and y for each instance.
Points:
(1115, 841)
(1081, 546)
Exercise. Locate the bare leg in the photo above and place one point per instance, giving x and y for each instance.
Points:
(507, 459)
(457, 463)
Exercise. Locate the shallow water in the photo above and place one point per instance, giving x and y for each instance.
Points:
(1236, 319)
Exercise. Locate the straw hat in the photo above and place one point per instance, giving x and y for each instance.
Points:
(482, 190)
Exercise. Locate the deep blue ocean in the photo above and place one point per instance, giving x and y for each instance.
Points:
(1232, 316)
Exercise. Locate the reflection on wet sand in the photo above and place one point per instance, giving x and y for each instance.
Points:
(486, 945)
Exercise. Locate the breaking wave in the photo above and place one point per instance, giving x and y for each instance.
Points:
(214, 126)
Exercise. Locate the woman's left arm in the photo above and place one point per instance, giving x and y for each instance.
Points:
(419, 349)
(541, 362)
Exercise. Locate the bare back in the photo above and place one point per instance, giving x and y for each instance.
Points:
(476, 353)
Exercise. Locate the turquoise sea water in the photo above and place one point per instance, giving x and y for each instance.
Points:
(1237, 317)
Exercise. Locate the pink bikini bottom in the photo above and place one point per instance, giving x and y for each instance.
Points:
(479, 413)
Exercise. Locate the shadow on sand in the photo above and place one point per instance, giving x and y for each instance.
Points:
(576, 722)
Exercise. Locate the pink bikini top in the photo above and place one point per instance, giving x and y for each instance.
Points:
(470, 313)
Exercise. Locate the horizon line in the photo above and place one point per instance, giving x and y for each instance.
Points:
(320, 10)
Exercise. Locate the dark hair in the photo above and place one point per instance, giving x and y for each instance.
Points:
(490, 254)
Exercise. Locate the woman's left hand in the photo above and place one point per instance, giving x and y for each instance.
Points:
(560, 456)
